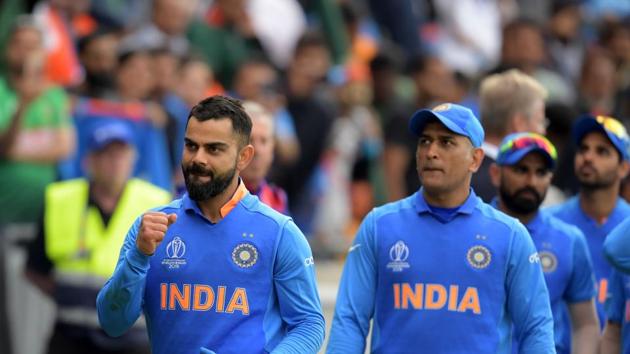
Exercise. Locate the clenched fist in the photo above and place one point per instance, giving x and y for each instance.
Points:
(152, 230)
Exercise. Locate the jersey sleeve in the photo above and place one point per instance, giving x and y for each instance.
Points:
(119, 303)
(527, 296)
(296, 289)
(582, 285)
(357, 291)
(617, 246)
(615, 300)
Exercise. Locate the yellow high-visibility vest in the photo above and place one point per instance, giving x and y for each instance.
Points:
(77, 242)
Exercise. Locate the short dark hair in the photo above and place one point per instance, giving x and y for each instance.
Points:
(223, 107)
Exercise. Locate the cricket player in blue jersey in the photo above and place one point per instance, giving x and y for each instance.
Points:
(522, 174)
(601, 162)
(616, 337)
(440, 271)
(617, 246)
(216, 271)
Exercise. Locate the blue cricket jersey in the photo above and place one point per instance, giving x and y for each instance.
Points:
(567, 267)
(617, 246)
(442, 285)
(618, 306)
(243, 285)
(571, 213)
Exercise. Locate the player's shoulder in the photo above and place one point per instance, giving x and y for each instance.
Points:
(560, 227)
(395, 207)
(564, 210)
(258, 209)
(171, 207)
(490, 216)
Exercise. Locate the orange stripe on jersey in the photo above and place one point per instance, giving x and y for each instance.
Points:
(240, 193)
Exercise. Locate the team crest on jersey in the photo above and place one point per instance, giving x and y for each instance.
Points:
(548, 261)
(398, 255)
(175, 251)
(479, 257)
(245, 255)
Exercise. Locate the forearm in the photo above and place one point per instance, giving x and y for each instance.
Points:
(119, 303)
(307, 337)
(43, 145)
(611, 339)
(585, 339)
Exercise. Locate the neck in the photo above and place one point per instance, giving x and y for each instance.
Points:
(494, 140)
(450, 199)
(599, 203)
(252, 185)
(523, 218)
(211, 208)
(106, 196)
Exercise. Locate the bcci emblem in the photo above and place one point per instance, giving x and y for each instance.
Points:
(479, 257)
(548, 261)
(245, 255)
(398, 255)
(442, 107)
(175, 251)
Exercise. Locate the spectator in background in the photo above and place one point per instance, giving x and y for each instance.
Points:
(35, 129)
(312, 108)
(98, 53)
(393, 111)
(564, 42)
(523, 48)
(597, 86)
(255, 174)
(65, 21)
(601, 162)
(509, 102)
(256, 80)
(522, 174)
(195, 79)
(82, 230)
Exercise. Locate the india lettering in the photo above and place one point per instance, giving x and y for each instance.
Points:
(201, 297)
(421, 296)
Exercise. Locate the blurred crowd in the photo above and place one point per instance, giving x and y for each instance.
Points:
(339, 77)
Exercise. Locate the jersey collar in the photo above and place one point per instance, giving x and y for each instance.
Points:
(467, 208)
(241, 192)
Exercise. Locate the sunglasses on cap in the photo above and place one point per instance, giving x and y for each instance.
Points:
(529, 140)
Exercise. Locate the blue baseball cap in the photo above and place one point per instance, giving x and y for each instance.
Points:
(516, 146)
(108, 132)
(458, 119)
(610, 127)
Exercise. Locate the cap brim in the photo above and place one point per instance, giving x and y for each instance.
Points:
(421, 117)
(517, 156)
(585, 125)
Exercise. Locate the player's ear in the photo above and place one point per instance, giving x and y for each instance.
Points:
(245, 156)
(477, 159)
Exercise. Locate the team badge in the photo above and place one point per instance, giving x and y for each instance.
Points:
(548, 261)
(479, 257)
(245, 255)
(442, 107)
(398, 255)
(175, 251)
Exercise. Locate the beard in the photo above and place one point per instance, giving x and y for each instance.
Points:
(202, 191)
(518, 202)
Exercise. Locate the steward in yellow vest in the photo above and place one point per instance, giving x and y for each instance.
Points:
(84, 226)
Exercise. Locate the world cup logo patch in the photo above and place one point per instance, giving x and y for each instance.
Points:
(548, 261)
(245, 255)
(479, 257)
(175, 251)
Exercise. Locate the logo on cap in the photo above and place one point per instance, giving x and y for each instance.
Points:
(442, 107)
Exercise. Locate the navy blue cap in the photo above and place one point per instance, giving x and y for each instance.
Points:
(610, 127)
(108, 132)
(458, 119)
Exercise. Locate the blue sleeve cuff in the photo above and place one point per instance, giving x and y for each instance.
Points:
(137, 259)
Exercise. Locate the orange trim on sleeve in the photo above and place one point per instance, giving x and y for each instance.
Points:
(240, 193)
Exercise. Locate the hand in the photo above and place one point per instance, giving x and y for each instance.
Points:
(152, 230)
